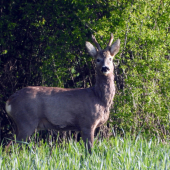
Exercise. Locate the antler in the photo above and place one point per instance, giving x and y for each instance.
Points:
(96, 43)
(111, 40)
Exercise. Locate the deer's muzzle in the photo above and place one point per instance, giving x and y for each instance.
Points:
(105, 70)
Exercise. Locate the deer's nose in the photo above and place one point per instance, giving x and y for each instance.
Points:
(105, 69)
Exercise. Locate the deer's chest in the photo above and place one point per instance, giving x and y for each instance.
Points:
(103, 116)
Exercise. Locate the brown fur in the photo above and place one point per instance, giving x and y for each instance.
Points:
(67, 109)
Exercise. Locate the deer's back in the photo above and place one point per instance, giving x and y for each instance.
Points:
(60, 106)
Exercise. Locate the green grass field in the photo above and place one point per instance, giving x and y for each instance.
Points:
(114, 153)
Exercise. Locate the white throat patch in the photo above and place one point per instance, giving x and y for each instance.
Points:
(106, 73)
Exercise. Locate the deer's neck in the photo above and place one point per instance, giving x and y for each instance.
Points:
(105, 88)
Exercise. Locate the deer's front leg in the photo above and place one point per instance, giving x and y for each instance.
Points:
(88, 138)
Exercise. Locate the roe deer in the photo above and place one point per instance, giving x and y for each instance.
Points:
(38, 107)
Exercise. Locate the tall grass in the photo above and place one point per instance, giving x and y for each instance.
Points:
(116, 153)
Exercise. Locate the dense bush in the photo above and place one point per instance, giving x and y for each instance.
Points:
(143, 102)
(42, 43)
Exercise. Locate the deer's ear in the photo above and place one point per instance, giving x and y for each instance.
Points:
(91, 49)
(115, 48)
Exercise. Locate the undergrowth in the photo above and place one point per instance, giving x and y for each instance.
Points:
(114, 153)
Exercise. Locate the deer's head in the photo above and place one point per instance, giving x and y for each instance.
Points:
(103, 58)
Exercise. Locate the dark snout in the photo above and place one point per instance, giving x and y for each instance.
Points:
(105, 69)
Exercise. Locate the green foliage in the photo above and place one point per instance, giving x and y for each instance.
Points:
(42, 43)
(143, 102)
(115, 153)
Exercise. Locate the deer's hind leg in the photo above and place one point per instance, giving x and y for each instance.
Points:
(23, 130)
(25, 127)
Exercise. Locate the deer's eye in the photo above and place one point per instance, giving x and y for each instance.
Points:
(98, 60)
